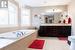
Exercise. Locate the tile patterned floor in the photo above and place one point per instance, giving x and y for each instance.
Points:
(53, 43)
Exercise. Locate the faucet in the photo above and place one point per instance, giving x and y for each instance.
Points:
(19, 33)
(22, 33)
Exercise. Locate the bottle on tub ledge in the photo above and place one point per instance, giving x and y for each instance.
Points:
(67, 20)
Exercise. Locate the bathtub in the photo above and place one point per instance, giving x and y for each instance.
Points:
(10, 37)
(13, 34)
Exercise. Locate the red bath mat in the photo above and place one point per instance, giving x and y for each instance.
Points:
(63, 38)
(37, 44)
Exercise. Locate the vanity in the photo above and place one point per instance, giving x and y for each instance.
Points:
(55, 24)
(55, 30)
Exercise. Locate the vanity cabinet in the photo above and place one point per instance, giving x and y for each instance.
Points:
(54, 31)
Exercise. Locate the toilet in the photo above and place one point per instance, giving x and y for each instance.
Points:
(72, 40)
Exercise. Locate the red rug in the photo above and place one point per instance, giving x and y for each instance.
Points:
(37, 44)
(63, 38)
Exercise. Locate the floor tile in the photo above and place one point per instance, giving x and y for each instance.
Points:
(53, 43)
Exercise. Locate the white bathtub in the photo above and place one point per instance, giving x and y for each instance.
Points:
(13, 35)
(10, 37)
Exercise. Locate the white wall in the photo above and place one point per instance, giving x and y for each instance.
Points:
(71, 12)
(39, 10)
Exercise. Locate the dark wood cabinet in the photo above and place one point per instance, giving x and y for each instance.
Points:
(55, 31)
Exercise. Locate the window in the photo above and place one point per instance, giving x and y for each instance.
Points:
(3, 16)
(13, 14)
(25, 17)
(8, 16)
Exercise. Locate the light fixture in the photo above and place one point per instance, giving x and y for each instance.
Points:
(54, 10)
(57, 10)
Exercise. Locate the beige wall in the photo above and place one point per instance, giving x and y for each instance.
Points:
(71, 12)
(2, 30)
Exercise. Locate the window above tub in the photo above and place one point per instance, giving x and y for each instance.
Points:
(9, 15)
(25, 17)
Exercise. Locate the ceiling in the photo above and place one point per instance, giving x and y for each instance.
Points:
(37, 3)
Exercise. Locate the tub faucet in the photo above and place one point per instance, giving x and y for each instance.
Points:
(19, 34)
(22, 33)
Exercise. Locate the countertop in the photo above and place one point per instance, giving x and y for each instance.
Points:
(6, 42)
(55, 24)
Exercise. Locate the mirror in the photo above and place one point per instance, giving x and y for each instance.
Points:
(53, 16)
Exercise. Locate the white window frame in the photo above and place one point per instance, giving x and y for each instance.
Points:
(9, 24)
(25, 17)
(15, 12)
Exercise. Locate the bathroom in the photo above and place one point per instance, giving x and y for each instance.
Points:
(23, 21)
